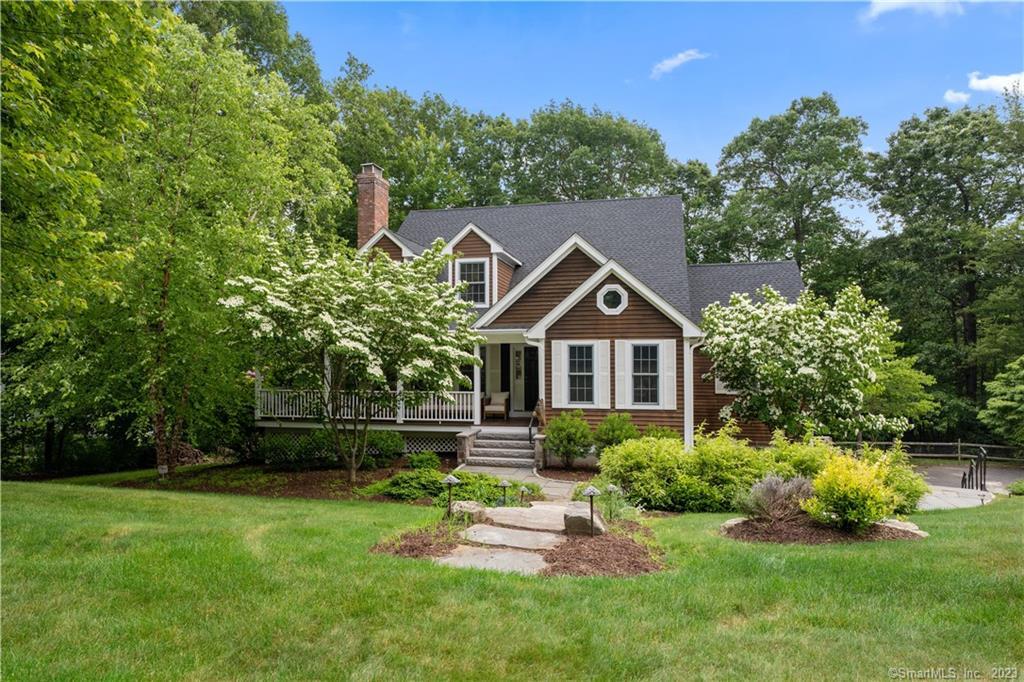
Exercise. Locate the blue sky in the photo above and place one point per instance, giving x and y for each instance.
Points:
(723, 64)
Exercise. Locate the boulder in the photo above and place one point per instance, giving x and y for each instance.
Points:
(577, 519)
(732, 522)
(469, 511)
(904, 525)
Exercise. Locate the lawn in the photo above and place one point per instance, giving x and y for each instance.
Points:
(125, 583)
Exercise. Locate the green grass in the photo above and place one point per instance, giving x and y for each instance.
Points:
(126, 584)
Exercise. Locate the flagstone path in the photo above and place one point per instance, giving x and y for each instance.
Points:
(511, 540)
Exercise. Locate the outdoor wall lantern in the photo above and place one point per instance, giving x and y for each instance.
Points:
(591, 492)
(449, 481)
(504, 485)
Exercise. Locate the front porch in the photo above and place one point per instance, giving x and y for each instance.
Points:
(510, 372)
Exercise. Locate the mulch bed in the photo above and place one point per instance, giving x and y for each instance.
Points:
(424, 543)
(806, 531)
(264, 481)
(616, 553)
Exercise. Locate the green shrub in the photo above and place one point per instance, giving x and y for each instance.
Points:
(642, 461)
(614, 429)
(383, 448)
(802, 458)
(775, 499)
(1016, 488)
(659, 431)
(729, 465)
(568, 437)
(296, 450)
(424, 460)
(419, 484)
(905, 484)
(849, 494)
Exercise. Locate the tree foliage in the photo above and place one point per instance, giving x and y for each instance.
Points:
(356, 329)
(1004, 412)
(803, 366)
(73, 76)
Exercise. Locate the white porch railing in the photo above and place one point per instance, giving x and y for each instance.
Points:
(281, 403)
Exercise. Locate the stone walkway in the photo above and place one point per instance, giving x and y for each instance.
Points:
(511, 539)
(946, 497)
(552, 489)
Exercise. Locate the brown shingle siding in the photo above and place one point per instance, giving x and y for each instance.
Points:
(707, 403)
(393, 250)
(505, 272)
(551, 290)
(640, 320)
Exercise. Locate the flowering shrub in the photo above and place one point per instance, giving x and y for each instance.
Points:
(802, 366)
(613, 429)
(849, 494)
(568, 437)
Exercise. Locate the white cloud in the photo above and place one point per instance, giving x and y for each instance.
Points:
(939, 8)
(956, 97)
(995, 83)
(672, 63)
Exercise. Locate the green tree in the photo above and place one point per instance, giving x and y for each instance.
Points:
(949, 187)
(261, 32)
(73, 76)
(1004, 412)
(703, 203)
(224, 158)
(805, 365)
(567, 153)
(787, 177)
(354, 329)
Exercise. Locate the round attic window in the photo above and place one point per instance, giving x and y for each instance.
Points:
(612, 299)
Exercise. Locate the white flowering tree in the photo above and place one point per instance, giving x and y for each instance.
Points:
(357, 328)
(802, 365)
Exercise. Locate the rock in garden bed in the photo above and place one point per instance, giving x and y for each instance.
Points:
(806, 531)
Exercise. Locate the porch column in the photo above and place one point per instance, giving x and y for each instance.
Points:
(400, 411)
(688, 392)
(541, 383)
(476, 387)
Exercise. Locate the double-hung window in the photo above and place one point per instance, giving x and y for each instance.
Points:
(581, 374)
(473, 273)
(645, 374)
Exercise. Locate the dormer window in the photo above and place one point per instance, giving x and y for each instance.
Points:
(473, 273)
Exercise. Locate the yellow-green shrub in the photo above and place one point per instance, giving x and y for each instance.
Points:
(849, 494)
(906, 485)
(803, 458)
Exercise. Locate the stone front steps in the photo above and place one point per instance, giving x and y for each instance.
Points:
(502, 449)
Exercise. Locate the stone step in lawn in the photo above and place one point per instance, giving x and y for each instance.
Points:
(505, 560)
(546, 517)
(512, 537)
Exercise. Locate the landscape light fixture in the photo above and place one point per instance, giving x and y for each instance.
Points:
(504, 485)
(591, 492)
(449, 481)
(522, 493)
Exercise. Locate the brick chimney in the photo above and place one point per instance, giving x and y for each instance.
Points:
(372, 202)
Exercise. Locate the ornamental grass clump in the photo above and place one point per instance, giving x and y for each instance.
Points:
(850, 495)
(774, 499)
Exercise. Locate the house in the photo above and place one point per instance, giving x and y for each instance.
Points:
(586, 305)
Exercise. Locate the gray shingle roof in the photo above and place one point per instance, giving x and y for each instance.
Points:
(644, 235)
(717, 281)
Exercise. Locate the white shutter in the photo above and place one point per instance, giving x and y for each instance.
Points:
(668, 373)
(603, 384)
(622, 366)
(557, 374)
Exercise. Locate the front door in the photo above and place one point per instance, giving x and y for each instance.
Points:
(530, 378)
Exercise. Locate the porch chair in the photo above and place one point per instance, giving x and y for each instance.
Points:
(497, 406)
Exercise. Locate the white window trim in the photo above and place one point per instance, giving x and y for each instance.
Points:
(668, 374)
(722, 389)
(593, 373)
(486, 281)
(560, 374)
(612, 311)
